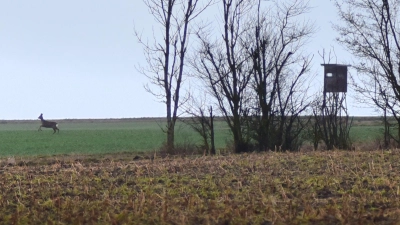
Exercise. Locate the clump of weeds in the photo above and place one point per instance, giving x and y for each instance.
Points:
(331, 187)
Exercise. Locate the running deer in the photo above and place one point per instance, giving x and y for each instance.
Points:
(48, 124)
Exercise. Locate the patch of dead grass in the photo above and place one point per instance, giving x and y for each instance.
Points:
(332, 187)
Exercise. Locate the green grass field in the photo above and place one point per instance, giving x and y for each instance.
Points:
(94, 137)
(366, 133)
(19, 138)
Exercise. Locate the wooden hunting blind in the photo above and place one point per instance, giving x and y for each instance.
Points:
(335, 78)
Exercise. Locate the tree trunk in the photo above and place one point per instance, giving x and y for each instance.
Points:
(213, 152)
(170, 137)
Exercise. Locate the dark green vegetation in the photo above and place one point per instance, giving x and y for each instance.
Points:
(20, 138)
(331, 187)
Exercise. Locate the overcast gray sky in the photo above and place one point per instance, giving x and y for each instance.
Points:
(76, 59)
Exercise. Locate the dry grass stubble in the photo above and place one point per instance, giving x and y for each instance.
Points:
(270, 188)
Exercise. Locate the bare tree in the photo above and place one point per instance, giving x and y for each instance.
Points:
(279, 70)
(370, 31)
(224, 68)
(201, 120)
(257, 70)
(166, 57)
(375, 91)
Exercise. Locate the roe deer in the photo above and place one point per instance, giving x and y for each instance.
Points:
(48, 124)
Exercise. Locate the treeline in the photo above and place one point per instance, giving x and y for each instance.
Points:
(251, 68)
